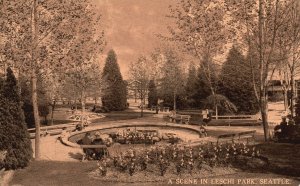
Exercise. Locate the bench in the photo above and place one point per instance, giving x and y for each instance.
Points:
(180, 118)
(87, 153)
(246, 135)
(160, 109)
(237, 136)
(226, 137)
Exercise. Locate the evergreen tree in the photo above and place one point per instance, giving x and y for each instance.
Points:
(115, 97)
(152, 95)
(235, 82)
(14, 137)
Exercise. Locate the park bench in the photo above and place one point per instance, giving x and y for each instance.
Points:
(180, 118)
(237, 136)
(160, 109)
(226, 138)
(233, 117)
(246, 135)
(86, 149)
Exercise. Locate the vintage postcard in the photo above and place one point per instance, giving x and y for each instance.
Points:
(149, 92)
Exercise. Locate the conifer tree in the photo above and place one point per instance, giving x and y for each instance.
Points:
(14, 137)
(115, 96)
(235, 82)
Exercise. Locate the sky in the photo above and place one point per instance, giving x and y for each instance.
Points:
(131, 27)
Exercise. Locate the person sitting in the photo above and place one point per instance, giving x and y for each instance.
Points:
(78, 127)
(280, 131)
(172, 115)
(202, 131)
(207, 117)
(99, 152)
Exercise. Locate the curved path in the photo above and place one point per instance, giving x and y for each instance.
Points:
(53, 149)
(141, 122)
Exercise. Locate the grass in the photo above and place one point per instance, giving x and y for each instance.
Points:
(284, 157)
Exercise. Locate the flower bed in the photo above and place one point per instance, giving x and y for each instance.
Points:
(161, 163)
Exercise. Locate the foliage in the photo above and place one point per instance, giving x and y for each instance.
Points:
(260, 24)
(235, 82)
(152, 94)
(43, 36)
(200, 28)
(191, 86)
(222, 102)
(26, 95)
(172, 79)
(14, 137)
(206, 81)
(114, 97)
(140, 74)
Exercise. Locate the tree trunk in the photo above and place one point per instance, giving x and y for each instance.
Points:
(263, 72)
(75, 102)
(285, 98)
(216, 112)
(292, 94)
(52, 111)
(82, 107)
(34, 32)
(36, 114)
(142, 107)
(174, 101)
(264, 116)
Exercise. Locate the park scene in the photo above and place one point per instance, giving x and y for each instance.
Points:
(172, 92)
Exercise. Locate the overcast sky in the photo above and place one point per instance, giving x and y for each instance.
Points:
(131, 26)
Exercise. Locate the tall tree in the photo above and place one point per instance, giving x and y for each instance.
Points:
(172, 78)
(289, 48)
(114, 96)
(140, 73)
(200, 27)
(261, 22)
(14, 137)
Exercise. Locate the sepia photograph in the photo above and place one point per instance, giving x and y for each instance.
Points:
(149, 92)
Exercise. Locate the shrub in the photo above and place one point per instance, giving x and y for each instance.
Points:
(14, 137)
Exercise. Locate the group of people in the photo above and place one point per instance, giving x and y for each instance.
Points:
(184, 158)
(287, 129)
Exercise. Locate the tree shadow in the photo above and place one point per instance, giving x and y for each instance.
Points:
(77, 156)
